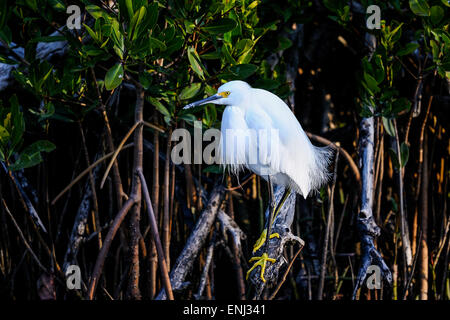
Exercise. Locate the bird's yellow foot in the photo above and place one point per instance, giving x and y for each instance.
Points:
(261, 261)
(262, 239)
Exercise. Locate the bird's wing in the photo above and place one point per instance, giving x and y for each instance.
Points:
(296, 156)
(267, 149)
(232, 144)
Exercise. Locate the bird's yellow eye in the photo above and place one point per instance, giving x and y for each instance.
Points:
(224, 94)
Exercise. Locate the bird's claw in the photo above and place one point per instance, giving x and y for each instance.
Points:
(261, 261)
(262, 239)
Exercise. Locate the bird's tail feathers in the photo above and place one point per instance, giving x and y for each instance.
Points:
(320, 173)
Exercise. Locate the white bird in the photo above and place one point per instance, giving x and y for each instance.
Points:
(257, 121)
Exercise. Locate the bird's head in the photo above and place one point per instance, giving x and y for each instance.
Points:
(230, 93)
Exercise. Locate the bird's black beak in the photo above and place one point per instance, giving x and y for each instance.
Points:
(203, 101)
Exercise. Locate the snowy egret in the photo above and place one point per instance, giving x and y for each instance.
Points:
(296, 164)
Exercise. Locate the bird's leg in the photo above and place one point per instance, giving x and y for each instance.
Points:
(266, 235)
(274, 210)
(271, 215)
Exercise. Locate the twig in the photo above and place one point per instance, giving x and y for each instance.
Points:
(110, 143)
(156, 238)
(108, 240)
(116, 153)
(209, 255)
(92, 183)
(86, 171)
(79, 226)
(25, 200)
(229, 225)
(241, 184)
(155, 127)
(327, 232)
(186, 259)
(424, 255)
(133, 291)
(166, 210)
(406, 247)
(366, 226)
(283, 279)
(23, 238)
(408, 283)
(155, 196)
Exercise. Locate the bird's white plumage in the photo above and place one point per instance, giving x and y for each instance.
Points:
(293, 162)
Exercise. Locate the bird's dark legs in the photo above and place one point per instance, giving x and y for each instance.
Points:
(266, 235)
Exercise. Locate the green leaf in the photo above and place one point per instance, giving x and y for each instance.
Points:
(227, 55)
(159, 106)
(156, 44)
(58, 5)
(117, 36)
(5, 34)
(407, 49)
(18, 123)
(31, 155)
(167, 120)
(4, 136)
(210, 55)
(434, 49)
(210, 115)
(189, 26)
(152, 15)
(243, 45)
(246, 57)
(404, 154)
(92, 51)
(194, 60)
(188, 117)
(114, 77)
(145, 79)
(389, 126)
(284, 43)
(213, 169)
(401, 104)
(243, 71)
(49, 39)
(129, 5)
(436, 14)
(46, 112)
(395, 34)
(4, 13)
(91, 32)
(32, 4)
(210, 90)
(420, 7)
(267, 84)
(97, 12)
(371, 83)
(394, 158)
(135, 22)
(220, 26)
(190, 91)
(366, 112)
(379, 70)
